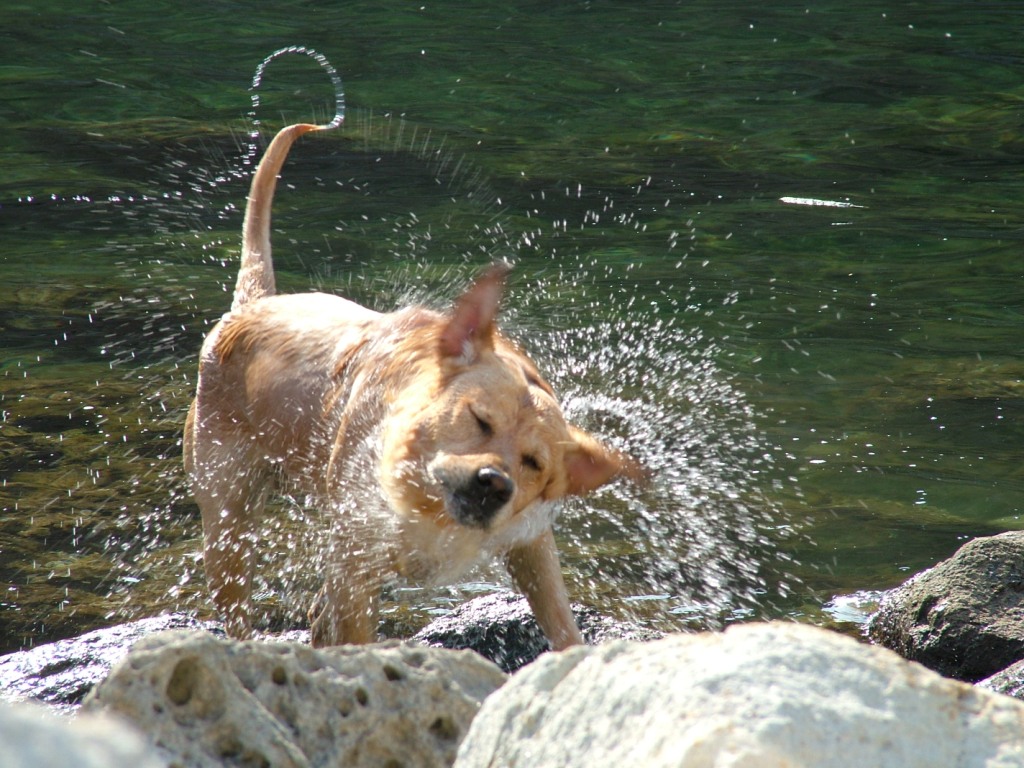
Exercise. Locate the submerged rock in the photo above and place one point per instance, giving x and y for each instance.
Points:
(963, 618)
(63, 672)
(501, 627)
(769, 695)
(208, 702)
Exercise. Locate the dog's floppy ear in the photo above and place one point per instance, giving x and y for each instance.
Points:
(589, 464)
(470, 325)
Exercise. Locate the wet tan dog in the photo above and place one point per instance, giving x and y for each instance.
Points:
(443, 422)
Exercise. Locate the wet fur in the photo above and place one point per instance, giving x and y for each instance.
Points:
(434, 417)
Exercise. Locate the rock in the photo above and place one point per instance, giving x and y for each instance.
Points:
(501, 627)
(62, 673)
(208, 702)
(963, 618)
(766, 695)
(1009, 681)
(31, 737)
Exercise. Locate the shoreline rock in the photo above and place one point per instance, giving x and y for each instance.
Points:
(767, 694)
(60, 674)
(501, 628)
(760, 694)
(1008, 682)
(31, 736)
(963, 618)
(207, 702)
(770, 695)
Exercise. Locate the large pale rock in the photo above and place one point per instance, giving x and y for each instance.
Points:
(31, 737)
(764, 695)
(964, 617)
(210, 702)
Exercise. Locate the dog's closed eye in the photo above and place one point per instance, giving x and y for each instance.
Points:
(530, 462)
(485, 426)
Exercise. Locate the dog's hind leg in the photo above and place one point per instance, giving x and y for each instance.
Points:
(228, 483)
(228, 550)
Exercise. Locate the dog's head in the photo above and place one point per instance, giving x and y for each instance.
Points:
(486, 439)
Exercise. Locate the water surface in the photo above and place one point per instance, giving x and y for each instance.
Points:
(775, 252)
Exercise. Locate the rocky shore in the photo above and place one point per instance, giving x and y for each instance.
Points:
(964, 618)
(756, 694)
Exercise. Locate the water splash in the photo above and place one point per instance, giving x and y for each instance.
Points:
(707, 544)
(697, 548)
(257, 81)
(604, 298)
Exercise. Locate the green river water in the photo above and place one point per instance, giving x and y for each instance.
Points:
(776, 252)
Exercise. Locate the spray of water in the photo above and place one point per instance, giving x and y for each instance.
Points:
(635, 361)
(628, 349)
(257, 81)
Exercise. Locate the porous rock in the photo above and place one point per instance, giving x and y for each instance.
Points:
(61, 673)
(32, 737)
(501, 627)
(766, 695)
(963, 618)
(208, 702)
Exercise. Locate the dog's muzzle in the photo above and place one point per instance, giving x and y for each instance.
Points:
(478, 499)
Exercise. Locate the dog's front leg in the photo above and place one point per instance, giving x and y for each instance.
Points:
(345, 610)
(537, 574)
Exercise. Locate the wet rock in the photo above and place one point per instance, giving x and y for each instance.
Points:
(208, 702)
(32, 737)
(501, 627)
(1009, 681)
(963, 618)
(769, 695)
(62, 673)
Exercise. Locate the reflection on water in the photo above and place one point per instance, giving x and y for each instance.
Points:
(831, 394)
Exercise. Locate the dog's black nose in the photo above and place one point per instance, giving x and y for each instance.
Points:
(495, 485)
(483, 495)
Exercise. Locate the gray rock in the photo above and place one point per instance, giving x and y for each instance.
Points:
(208, 702)
(766, 695)
(63, 672)
(501, 627)
(1009, 682)
(963, 618)
(32, 737)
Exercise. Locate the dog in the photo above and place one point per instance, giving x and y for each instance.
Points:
(435, 417)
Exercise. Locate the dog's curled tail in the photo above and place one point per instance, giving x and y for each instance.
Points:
(256, 272)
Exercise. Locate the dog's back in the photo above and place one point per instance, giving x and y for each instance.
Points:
(269, 366)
